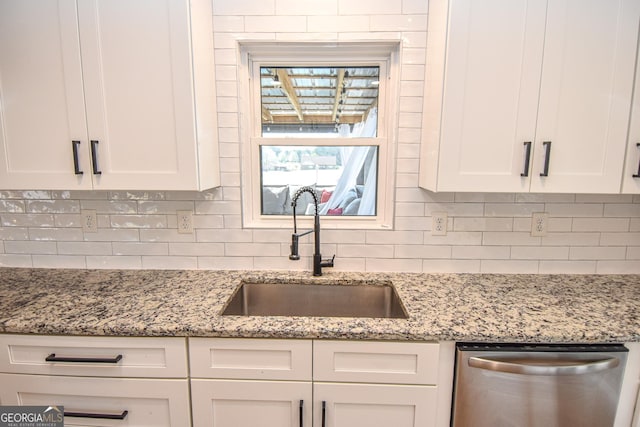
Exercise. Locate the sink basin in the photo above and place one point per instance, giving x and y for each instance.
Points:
(287, 299)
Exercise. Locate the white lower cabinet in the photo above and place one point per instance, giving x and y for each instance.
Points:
(373, 405)
(244, 383)
(242, 403)
(100, 381)
(90, 401)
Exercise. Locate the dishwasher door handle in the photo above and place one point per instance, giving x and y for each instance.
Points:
(554, 367)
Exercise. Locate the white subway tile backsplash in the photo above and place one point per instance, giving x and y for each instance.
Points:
(225, 263)
(618, 267)
(540, 252)
(56, 234)
(622, 210)
(506, 239)
(139, 221)
(85, 248)
(451, 266)
(306, 7)
(370, 7)
(482, 224)
(600, 224)
(228, 24)
(480, 252)
(14, 233)
(170, 263)
(59, 261)
(620, 239)
(364, 251)
(574, 209)
(243, 7)
(27, 220)
(423, 251)
(600, 253)
(13, 206)
(115, 262)
(30, 247)
(393, 265)
(337, 24)
(398, 22)
(196, 249)
(508, 267)
(14, 260)
(139, 248)
(415, 6)
(571, 239)
(251, 249)
(276, 24)
(567, 267)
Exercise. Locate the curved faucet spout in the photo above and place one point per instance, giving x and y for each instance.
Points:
(317, 258)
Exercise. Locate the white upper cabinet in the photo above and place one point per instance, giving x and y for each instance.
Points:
(131, 81)
(631, 177)
(508, 81)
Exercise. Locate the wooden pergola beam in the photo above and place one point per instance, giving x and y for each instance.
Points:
(266, 115)
(289, 90)
(336, 100)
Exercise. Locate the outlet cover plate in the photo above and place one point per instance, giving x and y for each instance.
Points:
(89, 220)
(539, 224)
(185, 222)
(439, 223)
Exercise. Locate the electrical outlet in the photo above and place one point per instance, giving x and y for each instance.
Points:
(439, 224)
(89, 220)
(185, 222)
(539, 224)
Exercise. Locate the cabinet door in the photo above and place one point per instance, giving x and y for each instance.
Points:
(152, 403)
(372, 405)
(41, 96)
(229, 403)
(587, 81)
(492, 74)
(631, 177)
(136, 58)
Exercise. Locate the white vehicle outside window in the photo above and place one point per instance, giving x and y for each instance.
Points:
(318, 115)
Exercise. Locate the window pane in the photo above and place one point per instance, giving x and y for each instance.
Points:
(344, 179)
(319, 101)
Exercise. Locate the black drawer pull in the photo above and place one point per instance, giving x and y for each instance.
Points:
(637, 175)
(324, 413)
(121, 416)
(527, 158)
(94, 157)
(547, 158)
(76, 162)
(53, 358)
(301, 408)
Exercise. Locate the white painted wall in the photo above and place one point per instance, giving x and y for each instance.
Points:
(487, 232)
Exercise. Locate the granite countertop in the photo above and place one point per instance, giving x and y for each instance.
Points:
(460, 307)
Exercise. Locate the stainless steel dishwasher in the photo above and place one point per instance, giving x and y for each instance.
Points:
(512, 385)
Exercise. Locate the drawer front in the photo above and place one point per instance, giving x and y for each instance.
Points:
(375, 362)
(94, 356)
(242, 358)
(147, 402)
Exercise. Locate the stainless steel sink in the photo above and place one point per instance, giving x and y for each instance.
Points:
(286, 299)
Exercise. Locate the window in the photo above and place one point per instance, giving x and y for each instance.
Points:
(318, 116)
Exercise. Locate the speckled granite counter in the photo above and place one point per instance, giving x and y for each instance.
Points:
(472, 307)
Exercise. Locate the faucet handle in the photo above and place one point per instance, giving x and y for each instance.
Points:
(294, 256)
(328, 262)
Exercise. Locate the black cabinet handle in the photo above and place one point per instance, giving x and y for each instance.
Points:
(301, 407)
(547, 157)
(527, 158)
(324, 413)
(53, 358)
(94, 157)
(121, 416)
(637, 175)
(76, 162)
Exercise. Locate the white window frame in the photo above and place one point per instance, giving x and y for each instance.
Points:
(253, 55)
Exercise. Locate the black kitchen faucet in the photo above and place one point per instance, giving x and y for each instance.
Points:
(318, 263)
